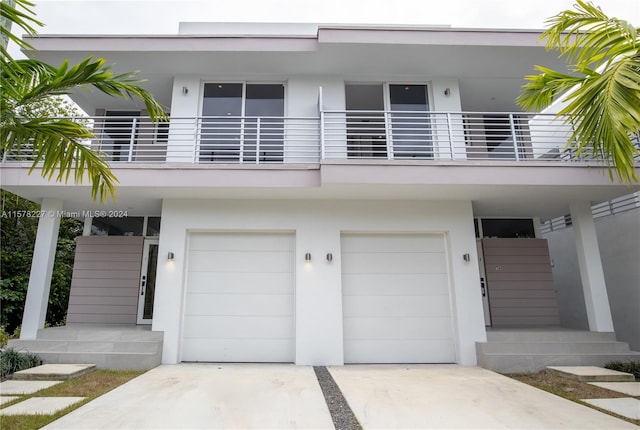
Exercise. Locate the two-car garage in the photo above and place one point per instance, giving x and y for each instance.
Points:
(240, 298)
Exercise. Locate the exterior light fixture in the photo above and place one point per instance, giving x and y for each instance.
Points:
(447, 91)
(170, 256)
(329, 257)
(466, 257)
(185, 90)
(307, 257)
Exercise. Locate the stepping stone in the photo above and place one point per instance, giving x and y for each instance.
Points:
(7, 399)
(625, 406)
(25, 387)
(40, 405)
(628, 388)
(591, 374)
(53, 372)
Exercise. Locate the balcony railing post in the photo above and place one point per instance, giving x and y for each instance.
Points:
(514, 137)
(450, 131)
(243, 124)
(388, 135)
(132, 140)
(197, 136)
(258, 141)
(322, 148)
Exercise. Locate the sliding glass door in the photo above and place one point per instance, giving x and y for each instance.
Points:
(242, 123)
(410, 124)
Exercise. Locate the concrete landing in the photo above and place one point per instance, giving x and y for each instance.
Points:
(628, 388)
(627, 407)
(24, 387)
(54, 372)
(591, 374)
(40, 405)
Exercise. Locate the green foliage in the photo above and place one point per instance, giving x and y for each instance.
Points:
(12, 361)
(630, 366)
(17, 240)
(4, 338)
(602, 90)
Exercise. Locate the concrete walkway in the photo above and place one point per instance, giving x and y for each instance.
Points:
(270, 396)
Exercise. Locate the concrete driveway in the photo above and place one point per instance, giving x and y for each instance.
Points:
(280, 396)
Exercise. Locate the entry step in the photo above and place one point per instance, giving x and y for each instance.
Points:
(54, 372)
(591, 374)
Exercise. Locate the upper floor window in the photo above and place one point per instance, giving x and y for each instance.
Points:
(388, 120)
(242, 122)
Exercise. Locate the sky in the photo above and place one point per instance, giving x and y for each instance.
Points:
(162, 16)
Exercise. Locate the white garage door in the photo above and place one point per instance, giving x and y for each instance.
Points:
(396, 303)
(240, 298)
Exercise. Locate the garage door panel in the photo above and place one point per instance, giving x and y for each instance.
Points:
(228, 327)
(245, 261)
(392, 243)
(395, 306)
(396, 302)
(399, 351)
(241, 242)
(399, 328)
(240, 283)
(238, 350)
(386, 262)
(239, 304)
(402, 284)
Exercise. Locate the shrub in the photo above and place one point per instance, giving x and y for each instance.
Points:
(632, 367)
(12, 361)
(4, 337)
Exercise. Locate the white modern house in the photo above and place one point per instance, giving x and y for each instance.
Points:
(323, 195)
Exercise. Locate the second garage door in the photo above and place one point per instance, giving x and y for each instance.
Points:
(239, 304)
(396, 303)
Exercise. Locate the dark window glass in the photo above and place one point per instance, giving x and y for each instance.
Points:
(127, 226)
(153, 226)
(508, 228)
(476, 228)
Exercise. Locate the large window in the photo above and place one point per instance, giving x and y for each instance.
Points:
(388, 120)
(242, 122)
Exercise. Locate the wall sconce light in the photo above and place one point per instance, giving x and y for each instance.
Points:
(447, 91)
(185, 90)
(466, 257)
(329, 257)
(170, 256)
(307, 257)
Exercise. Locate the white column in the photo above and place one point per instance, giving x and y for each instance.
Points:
(591, 273)
(44, 252)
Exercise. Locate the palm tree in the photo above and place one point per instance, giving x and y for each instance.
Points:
(56, 144)
(603, 105)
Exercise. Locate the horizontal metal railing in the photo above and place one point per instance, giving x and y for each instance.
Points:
(600, 210)
(347, 134)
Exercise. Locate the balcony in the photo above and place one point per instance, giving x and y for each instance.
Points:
(335, 135)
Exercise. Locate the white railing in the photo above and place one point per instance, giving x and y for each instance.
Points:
(334, 135)
(600, 210)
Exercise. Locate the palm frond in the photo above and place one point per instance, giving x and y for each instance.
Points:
(602, 93)
(20, 13)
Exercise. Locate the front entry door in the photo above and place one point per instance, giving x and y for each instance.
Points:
(147, 281)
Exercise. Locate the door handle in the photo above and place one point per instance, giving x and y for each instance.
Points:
(143, 283)
(483, 288)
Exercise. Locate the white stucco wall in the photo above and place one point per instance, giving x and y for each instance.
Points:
(317, 226)
(619, 243)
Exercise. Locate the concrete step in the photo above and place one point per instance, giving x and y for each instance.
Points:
(100, 333)
(53, 372)
(103, 360)
(548, 335)
(108, 347)
(581, 347)
(518, 363)
(86, 346)
(591, 374)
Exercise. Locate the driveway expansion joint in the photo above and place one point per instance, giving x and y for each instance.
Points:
(341, 414)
